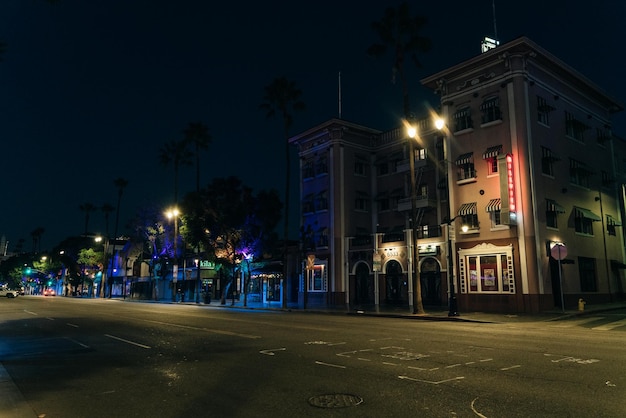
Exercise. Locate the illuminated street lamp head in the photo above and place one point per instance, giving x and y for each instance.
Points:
(172, 213)
(439, 123)
(411, 131)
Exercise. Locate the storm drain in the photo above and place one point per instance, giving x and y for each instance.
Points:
(337, 400)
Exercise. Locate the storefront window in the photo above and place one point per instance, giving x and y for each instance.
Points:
(485, 271)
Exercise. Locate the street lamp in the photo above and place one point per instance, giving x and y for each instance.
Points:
(174, 213)
(418, 308)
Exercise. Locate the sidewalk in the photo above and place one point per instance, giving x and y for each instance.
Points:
(431, 313)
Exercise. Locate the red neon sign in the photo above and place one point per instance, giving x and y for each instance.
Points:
(510, 183)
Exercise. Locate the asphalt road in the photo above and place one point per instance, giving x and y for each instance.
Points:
(102, 358)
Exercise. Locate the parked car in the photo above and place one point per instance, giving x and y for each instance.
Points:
(9, 293)
(49, 292)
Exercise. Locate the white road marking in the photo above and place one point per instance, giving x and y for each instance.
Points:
(610, 325)
(431, 382)
(474, 409)
(127, 341)
(321, 363)
(571, 324)
(71, 325)
(511, 367)
(271, 351)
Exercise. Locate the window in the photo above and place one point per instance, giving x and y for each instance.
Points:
(465, 166)
(587, 272)
(552, 210)
(602, 136)
(607, 180)
(420, 154)
(494, 208)
(579, 173)
(308, 204)
(486, 268)
(360, 203)
(321, 201)
(422, 191)
(543, 111)
(583, 221)
(307, 169)
(359, 168)
(611, 223)
(323, 237)
(384, 204)
(574, 128)
(317, 278)
(490, 109)
(321, 166)
(547, 161)
(439, 147)
(491, 157)
(463, 119)
(469, 215)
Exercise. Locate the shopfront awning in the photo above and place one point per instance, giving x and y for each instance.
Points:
(494, 205)
(467, 209)
(587, 214)
(611, 221)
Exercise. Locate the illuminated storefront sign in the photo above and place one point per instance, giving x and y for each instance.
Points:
(507, 189)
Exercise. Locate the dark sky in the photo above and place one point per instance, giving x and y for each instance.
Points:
(90, 90)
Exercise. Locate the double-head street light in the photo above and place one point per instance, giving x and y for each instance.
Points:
(418, 307)
(453, 308)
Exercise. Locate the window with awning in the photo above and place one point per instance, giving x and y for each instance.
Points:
(587, 214)
(494, 205)
(553, 206)
(467, 209)
(466, 158)
(492, 152)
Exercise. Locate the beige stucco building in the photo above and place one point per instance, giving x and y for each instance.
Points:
(527, 162)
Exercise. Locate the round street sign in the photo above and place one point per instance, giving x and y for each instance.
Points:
(558, 251)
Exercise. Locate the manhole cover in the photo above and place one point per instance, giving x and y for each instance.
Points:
(337, 400)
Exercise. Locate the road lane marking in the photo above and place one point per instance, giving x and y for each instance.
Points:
(431, 382)
(214, 331)
(271, 351)
(127, 341)
(31, 313)
(511, 367)
(571, 324)
(321, 363)
(71, 325)
(77, 342)
(474, 409)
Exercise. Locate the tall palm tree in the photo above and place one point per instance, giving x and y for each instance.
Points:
(197, 134)
(87, 208)
(175, 152)
(107, 210)
(121, 184)
(36, 236)
(400, 33)
(283, 97)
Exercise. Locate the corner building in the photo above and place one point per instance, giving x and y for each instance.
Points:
(527, 173)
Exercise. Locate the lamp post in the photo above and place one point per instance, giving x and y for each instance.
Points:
(453, 309)
(418, 308)
(174, 213)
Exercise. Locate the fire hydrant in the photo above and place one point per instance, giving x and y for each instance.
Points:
(581, 304)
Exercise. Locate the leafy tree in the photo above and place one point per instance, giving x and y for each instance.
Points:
(107, 210)
(176, 153)
(283, 97)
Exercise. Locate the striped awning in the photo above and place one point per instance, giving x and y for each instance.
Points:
(492, 152)
(586, 213)
(494, 205)
(465, 158)
(467, 209)
(552, 206)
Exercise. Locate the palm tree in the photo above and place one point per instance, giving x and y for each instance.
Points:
(120, 183)
(283, 97)
(198, 135)
(400, 32)
(36, 236)
(175, 152)
(87, 208)
(106, 209)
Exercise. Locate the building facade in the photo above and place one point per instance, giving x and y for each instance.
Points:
(519, 199)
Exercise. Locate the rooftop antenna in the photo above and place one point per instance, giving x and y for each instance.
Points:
(490, 43)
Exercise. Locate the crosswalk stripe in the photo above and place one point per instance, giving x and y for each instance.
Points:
(570, 324)
(611, 325)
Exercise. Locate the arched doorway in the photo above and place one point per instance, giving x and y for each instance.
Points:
(395, 284)
(364, 292)
(430, 279)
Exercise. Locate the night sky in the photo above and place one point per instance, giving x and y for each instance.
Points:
(91, 90)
